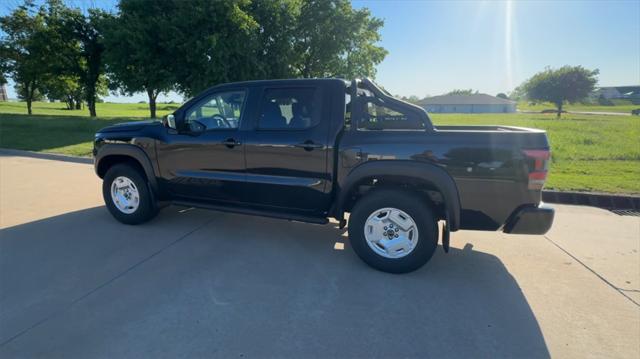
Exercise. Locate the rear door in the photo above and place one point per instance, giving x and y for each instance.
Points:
(286, 153)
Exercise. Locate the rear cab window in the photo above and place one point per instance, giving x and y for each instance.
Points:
(289, 109)
(379, 111)
(378, 116)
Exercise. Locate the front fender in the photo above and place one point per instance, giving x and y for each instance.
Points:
(127, 150)
(430, 173)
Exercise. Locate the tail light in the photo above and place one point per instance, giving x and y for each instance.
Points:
(538, 163)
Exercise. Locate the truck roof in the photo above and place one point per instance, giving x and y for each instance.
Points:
(298, 81)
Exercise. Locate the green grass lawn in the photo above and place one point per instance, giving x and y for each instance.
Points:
(590, 152)
(620, 106)
(56, 134)
(53, 128)
(102, 109)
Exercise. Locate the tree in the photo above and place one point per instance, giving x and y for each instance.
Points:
(271, 42)
(518, 94)
(335, 40)
(39, 52)
(28, 94)
(209, 43)
(136, 55)
(87, 30)
(558, 86)
(65, 88)
(462, 92)
(502, 96)
(156, 46)
(24, 50)
(62, 81)
(243, 40)
(75, 71)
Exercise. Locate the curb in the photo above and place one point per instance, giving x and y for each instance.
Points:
(46, 156)
(601, 200)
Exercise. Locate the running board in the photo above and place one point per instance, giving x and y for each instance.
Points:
(254, 212)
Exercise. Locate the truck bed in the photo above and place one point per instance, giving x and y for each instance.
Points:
(489, 128)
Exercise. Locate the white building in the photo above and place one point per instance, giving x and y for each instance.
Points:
(474, 103)
(615, 92)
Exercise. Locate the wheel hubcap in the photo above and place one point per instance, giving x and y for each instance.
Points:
(391, 233)
(124, 194)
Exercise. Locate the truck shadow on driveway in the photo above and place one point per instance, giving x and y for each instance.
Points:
(198, 283)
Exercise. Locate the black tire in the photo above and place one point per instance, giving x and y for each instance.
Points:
(147, 208)
(411, 205)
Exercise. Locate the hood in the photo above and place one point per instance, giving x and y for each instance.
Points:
(130, 126)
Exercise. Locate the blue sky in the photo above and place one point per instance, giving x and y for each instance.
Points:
(490, 46)
(493, 46)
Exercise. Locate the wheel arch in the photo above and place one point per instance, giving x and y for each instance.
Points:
(422, 177)
(112, 154)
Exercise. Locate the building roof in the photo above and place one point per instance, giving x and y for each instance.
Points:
(473, 99)
(621, 89)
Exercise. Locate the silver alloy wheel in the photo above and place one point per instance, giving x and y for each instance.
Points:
(391, 233)
(124, 195)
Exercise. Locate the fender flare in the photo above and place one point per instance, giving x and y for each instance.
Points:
(135, 152)
(430, 173)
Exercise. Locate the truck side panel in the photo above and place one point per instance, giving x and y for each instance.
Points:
(488, 167)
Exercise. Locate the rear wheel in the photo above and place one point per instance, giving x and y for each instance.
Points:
(127, 195)
(393, 231)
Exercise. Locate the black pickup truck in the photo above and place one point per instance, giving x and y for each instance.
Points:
(313, 149)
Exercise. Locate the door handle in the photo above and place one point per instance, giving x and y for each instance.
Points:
(231, 142)
(308, 145)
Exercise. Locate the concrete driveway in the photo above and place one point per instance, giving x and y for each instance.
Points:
(191, 283)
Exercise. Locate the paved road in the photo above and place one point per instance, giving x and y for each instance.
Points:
(74, 283)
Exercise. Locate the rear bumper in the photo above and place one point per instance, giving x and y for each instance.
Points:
(530, 220)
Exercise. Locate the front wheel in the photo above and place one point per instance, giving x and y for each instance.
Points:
(393, 231)
(127, 195)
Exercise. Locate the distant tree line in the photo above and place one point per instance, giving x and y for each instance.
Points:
(149, 46)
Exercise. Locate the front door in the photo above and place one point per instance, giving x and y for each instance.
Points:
(286, 152)
(205, 159)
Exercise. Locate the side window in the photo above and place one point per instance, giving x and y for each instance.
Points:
(380, 117)
(288, 109)
(220, 111)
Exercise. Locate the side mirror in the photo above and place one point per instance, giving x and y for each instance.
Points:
(169, 121)
(196, 127)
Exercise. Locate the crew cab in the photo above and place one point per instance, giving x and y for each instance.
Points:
(313, 149)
